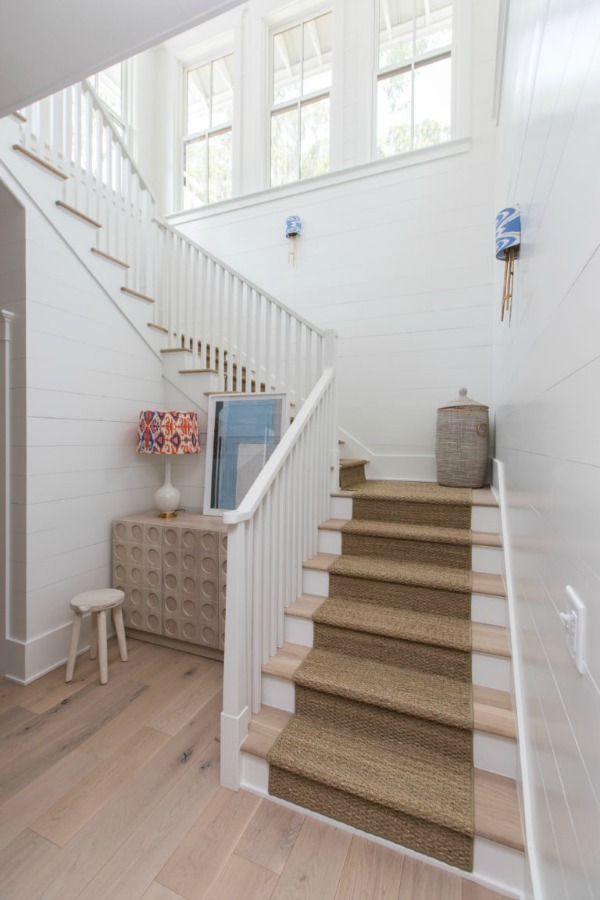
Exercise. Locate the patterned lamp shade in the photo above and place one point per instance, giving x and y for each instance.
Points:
(171, 432)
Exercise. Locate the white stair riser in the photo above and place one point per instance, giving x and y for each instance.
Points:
(341, 508)
(491, 671)
(278, 692)
(485, 518)
(298, 631)
(495, 754)
(486, 609)
(494, 865)
(484, 559)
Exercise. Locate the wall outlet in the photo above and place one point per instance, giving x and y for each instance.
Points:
(574, 622)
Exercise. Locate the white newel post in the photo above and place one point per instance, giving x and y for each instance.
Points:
(236, 704)
(6, 318)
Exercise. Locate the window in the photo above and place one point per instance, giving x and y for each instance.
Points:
(414, 81)
(301, 81)
(110, 85)
(208, 141)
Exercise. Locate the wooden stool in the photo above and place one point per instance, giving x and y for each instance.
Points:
(97, 603)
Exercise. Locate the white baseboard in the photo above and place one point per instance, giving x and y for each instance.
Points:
(27, 661)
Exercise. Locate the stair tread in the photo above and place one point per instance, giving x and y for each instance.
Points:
(481, 582)
(40, 162)
(489, 639)
(304, 606)
(479, 496)
(362, 526)
(352, 463)
(76, 212)
(497, 815)
(492, 709)
(137, 294)
(109, 258)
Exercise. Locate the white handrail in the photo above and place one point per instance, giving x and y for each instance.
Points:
(270, 535)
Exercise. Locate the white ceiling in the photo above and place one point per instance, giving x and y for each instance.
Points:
(46, 45)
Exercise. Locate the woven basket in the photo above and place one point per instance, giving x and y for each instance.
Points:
(462, 447)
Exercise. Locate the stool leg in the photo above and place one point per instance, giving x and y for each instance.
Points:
(120, 629)
(73, 647)
(93, 636)
(102, 653)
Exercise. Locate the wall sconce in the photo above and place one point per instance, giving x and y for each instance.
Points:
(168, 433)
(508, 242)
(293, 229)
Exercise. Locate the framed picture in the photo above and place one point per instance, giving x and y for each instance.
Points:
(243, 431)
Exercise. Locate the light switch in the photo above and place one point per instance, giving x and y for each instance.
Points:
(574, 621)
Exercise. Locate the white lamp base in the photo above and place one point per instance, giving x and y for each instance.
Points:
(167, 497)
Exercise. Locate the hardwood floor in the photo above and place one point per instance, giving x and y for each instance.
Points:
(112, 793)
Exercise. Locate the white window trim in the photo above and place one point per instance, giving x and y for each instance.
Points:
(458, 73)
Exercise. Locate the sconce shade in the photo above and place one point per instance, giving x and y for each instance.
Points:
(508, 231)
(170, 432)
(293, 226)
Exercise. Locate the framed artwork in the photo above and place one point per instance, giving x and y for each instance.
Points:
(243, 432)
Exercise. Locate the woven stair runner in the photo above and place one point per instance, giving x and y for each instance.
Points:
(382, 736)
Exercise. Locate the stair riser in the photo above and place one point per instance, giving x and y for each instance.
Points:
(484, 559)
(485, 609)
(496, 866)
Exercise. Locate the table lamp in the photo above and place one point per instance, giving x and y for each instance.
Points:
(168, 433)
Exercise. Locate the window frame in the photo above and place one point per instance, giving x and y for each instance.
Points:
(300, 19)
(123, 120)
(212, 130)
(418, 61)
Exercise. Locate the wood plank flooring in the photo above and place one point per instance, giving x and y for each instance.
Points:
(113, 792)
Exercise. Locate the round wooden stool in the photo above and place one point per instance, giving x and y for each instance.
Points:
(97, 603)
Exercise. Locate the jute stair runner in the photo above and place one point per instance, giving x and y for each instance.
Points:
(382, 735)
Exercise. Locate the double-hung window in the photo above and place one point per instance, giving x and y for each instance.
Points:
(414, 80)
(301, 83)
(208, 142)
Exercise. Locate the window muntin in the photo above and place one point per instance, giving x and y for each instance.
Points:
(301, 81)
(208, 143)
(414, 83)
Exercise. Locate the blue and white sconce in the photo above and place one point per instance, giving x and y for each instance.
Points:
(508, 242)
(293, 229)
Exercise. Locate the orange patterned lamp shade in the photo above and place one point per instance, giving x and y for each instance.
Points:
(170, 432)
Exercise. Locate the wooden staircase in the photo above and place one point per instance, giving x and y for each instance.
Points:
(499, 843)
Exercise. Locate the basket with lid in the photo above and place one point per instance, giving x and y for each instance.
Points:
(462, 443)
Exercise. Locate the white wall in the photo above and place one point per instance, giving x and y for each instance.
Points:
(547, 375)
(396, 257)
(12, 373)
(88, 374)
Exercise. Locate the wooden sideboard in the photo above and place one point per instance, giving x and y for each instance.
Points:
(174, 575)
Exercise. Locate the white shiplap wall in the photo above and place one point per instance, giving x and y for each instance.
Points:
(397, 258)
(12, 488)
(547, 376)
(88, 373)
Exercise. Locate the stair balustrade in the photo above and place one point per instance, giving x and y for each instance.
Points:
(270, 535)
(228, 323)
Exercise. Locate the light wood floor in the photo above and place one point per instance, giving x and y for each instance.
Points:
(113, 792)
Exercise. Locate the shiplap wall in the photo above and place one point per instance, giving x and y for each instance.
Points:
(12, 488)
(547, 376)
(397, 258)
(88, 373)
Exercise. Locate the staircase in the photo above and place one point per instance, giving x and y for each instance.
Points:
(498, 846)
(217, 331)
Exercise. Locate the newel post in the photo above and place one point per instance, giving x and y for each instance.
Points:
(236, 707)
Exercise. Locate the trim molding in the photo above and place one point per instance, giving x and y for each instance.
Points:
(524, 782)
